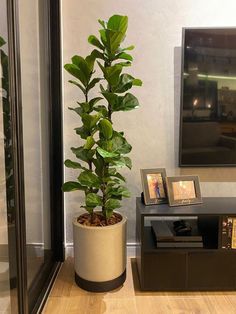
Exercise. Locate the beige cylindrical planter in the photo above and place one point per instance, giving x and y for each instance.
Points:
(100, 256)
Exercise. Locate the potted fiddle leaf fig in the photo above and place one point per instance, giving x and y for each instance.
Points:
(100, 232)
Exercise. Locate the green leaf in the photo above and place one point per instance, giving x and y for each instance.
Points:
(93, 200)
(72, 186)
(119, 191)
(84, 108)
(121, 162)
(106, 154)
(89, 142)
(124, 56)
(93, 40)
(111, 73)
(89, 209)
(102, 110)
(126, 81)
(137, 82)
(106, 129)
(125, 64)
(93, 101)
(118, 23)
(89, 179)
(73, 164)
(99, 165)
(113, 40)
(78, 85)
(2, 41)
(98, 55)
(93, 83)
(80, 153)
(128, 48)
(119, 176)
(76, 72)
(125, 103)
(103, 37)
(83, 154)
(105, 144)
(90, 59)
(112, 204)
(130, 102)
(78, 110)
(90, 121)
(111, 171)
(111, 98)
(102, 23)
(114, 34)
(83, 66)
(120, 145)
(128, 162)
(82, 132)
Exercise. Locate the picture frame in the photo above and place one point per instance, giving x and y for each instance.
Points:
(154, 186)
(183, 190)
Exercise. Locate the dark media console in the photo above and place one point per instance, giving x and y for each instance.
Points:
(210, 267)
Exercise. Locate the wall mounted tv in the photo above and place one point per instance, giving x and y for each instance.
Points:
(208, 99)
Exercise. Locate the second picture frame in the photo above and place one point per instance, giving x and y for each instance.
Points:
(183, 190)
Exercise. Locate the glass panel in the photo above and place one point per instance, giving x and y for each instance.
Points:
(8, 293)
(35, 104)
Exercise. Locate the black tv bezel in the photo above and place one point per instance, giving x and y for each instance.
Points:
(184, 29)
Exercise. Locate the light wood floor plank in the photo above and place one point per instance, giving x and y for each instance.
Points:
(67, 297)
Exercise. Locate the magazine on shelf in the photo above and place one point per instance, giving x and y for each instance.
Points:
(164, 232)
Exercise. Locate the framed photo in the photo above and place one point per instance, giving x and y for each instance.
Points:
(183, 190)
(154, 186)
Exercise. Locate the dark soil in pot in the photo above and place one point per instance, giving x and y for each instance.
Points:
(98, 220)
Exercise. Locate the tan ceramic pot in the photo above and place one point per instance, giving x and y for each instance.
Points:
(100, 256)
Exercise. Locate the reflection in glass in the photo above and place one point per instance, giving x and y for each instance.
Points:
(35, 104)
(209, 97)
(8, 275)
(4, 256)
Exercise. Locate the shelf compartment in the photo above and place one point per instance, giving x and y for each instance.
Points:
(208, 228)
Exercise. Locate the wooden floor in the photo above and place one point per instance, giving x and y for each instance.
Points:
(66, 297)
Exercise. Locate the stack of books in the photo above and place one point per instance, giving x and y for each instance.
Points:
(228, 232)
(166, 237)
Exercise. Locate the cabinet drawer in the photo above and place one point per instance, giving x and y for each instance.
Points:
(164, 271)
(212, 270)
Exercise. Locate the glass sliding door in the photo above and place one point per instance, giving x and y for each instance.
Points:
(36, 76)
(34, 59)
(8, 268)
(4, 256)
(31, 202)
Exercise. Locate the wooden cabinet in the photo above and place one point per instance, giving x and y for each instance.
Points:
(183, 269)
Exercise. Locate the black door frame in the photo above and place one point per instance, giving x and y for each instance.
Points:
(56, 154)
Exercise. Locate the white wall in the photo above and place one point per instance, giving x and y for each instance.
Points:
(155, 28)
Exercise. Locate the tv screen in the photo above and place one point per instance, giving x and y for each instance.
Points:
(208, 109)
